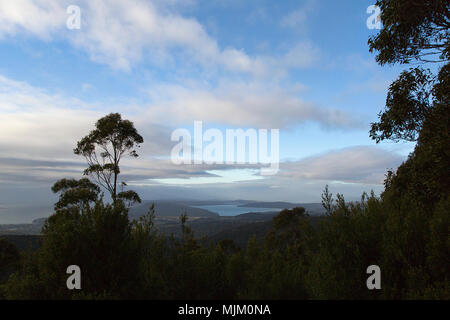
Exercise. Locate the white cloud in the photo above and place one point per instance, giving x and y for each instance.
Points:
(37, 124)
(302, 55)
(123, 34)
(360, 164)
(298, 18)
(39, 17)
(295, 19)
(86, 87)
(216, 177)
(40, 125)
(245, 104)
(119, 33)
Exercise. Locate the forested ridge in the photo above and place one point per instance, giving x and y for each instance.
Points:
(405, 230)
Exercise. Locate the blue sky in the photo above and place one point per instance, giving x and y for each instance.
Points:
(302, 67)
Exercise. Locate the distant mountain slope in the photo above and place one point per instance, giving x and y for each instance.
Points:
(276, 204)
(256, 216)
(168, 212)
(238, 228)
(21, 229)
(169, 209)
(313, 208)
(212, 202)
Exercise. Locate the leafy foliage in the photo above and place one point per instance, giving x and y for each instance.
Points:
(407, 105)
(412, 30)
(75, 193)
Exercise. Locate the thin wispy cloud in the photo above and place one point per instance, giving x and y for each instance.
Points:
(359, 164)
(299, 18)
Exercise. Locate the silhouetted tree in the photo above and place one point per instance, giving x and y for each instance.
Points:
(327, 200)
(413, 31)
(417, 109)
(104, 147)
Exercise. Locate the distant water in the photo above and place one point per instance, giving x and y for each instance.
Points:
(16, 214)
(234, 210)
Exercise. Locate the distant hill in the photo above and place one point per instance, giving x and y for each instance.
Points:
(238, 228)
(169, 209)
(312, 208)
(276, 204)
(256, 216)
(20, 229)
(168, 212)
(39, 221)
(213, 202)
